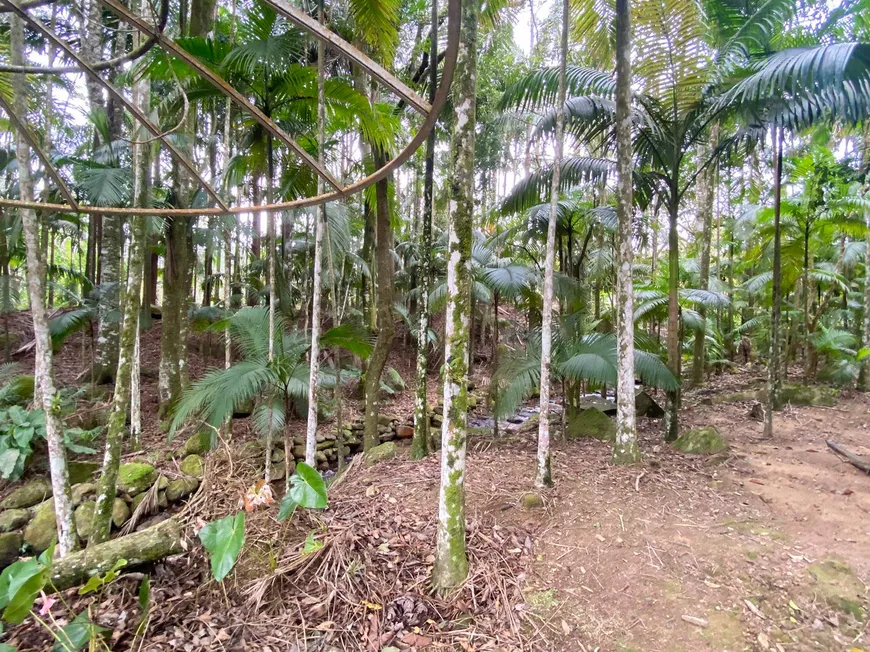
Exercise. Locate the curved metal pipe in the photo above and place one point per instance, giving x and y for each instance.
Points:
(454, 8)
(132, 55)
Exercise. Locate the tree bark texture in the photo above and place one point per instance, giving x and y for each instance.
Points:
(625, 449)
(451, 559)
(43, 361)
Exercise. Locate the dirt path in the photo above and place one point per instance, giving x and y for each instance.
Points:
(764, 550)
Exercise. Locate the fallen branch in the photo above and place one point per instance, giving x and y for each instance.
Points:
(148, 545)
(854, 460)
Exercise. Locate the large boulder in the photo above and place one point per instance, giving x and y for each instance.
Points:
(135, 477)
(10, 547)
(12, 519)
(192, 465)
(28, 495)
(701, 441)
(591, 422)
(42, 530)
(385, 451)
(808, 395)
(82, 471)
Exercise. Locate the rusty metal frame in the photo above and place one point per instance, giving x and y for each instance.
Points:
(40, 154)
(431, 118)
(307, 23)
(36, 24)
(224, 87)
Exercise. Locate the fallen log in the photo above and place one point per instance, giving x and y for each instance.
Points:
(148, 545)
(854, 460)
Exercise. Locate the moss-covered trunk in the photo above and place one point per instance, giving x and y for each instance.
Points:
(451, 559)
(543, 476)
(386, 325)
(106, 355)
(705, 195)
(774, 381)
(625, 449)
(174, 311)
(672, 406)
(317, 281)
(35, 272)
(121, 401)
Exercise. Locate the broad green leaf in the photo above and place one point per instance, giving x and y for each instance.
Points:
(223, 540)
(287, 508)
(5, 647)
(78, 633)
(863, 353)
(145, 593)
(22, 588)
(309, 489)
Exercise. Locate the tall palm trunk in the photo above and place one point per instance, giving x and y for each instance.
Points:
(706, 195)
(420, 445)
(543, 476)
(625, 449)
(320, 223)
(774, 380)
(175, 289)
(672, 406)
(121, 402)
(451, 560)
(107, 329)
(386, 327)
(141, 170)
(43, 362)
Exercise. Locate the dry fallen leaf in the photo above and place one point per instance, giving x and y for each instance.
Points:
(566, 628)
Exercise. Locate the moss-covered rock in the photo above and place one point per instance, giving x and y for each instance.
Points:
(837, 584)
(181, 488)
(646, 406)
(42, 530)
(84, 518)
(82, 471)
(591, 422)
(120, 512)
(10, 547)
(12, 519)
(385, 451)
(192, 465)
(197, 444)
(701, 441)
(532, 500)
(28, 495)
(808, 395)
(135, 477)
(82, 492)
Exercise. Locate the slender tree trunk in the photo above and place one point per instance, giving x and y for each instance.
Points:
(107, 328)
(625, 449)
(35, 271)
(773, 372)
(273, 299)
(672, 406)
(543, 475)
(175, 289)
(421, 444)
(106, 488)
(317, 284)
(386, 327)
(451, 560)
(705, 195)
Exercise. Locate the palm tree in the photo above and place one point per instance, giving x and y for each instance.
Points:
(681, 98)
(625, 449)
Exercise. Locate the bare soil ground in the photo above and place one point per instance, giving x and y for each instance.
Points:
(762, 548)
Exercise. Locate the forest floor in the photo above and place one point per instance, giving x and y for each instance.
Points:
(761, 548)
